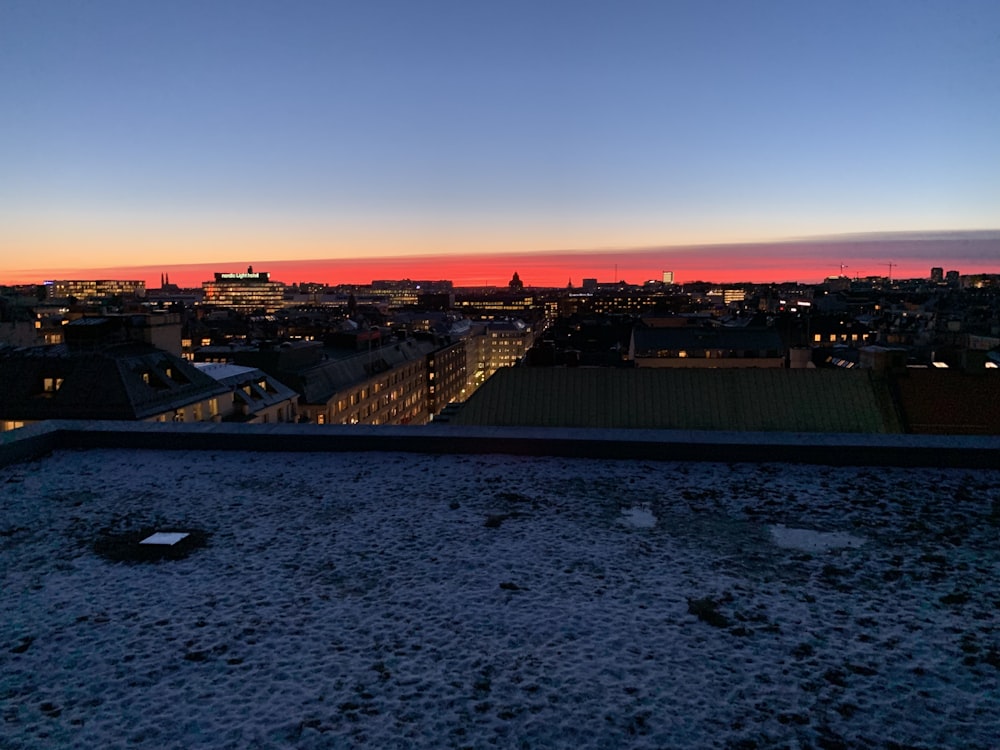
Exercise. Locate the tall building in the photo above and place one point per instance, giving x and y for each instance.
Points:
(245, 292)
(937, 274)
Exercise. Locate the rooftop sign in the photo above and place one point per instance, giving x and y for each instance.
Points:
(249, 276)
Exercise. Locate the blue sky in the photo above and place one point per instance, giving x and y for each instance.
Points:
(338, 129)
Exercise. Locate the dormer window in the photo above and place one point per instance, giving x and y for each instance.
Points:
(171, 373)
(152, 380)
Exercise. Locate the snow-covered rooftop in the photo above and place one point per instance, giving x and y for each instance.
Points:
(410, 600)
(222, 370)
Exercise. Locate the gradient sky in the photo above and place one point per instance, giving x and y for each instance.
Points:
(156, 134)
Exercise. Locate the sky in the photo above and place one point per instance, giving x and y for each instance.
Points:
(463, 137)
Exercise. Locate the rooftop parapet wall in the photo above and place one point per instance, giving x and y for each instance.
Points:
(953, 451)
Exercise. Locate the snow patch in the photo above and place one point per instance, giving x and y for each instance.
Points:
(638, 517)
(808, 540)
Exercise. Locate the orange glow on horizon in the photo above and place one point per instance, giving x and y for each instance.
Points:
(805, 261)
(719, 265)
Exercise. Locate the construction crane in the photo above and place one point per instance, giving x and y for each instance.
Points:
(842, 267)
(891, 266)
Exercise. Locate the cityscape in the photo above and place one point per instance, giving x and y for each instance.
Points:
(250, 348)
(459, 374)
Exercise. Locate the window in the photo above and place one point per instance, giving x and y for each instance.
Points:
(51, 385)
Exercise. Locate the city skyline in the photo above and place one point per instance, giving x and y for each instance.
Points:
(162, 136)
(808, 261)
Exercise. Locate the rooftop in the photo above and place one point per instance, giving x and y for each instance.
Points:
(429, 599)
(746, 399)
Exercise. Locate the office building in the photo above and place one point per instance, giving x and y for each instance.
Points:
(252, 291)
(85, 290)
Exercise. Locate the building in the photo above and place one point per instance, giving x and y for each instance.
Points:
(706, 346)
(85, 290)
(447, 376)
(244, 292)
(949, 402)
(726, 297)
(386, 384)
(128, 381)
(497, 344)
(256, 396)
(494, 306)
(737, 399)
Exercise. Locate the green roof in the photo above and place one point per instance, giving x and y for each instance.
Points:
(744, 399)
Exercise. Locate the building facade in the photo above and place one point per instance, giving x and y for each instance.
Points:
(94, 289)
(244, 292)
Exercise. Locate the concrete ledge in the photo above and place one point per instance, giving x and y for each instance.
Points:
(29, 442)
(958, 451)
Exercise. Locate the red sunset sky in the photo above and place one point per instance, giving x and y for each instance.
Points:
(806, 261)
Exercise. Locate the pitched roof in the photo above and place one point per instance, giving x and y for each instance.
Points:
(106, 384)
(320, 383)
(950, 402)
(724, 399)
(246, 386)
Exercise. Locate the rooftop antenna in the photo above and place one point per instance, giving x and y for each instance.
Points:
(891, 266)
(842, 267)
